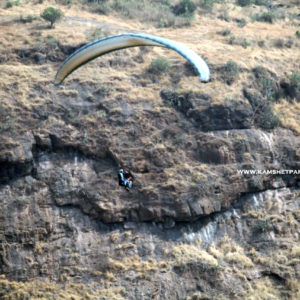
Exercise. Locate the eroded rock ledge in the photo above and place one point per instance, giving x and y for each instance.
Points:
(76, 173)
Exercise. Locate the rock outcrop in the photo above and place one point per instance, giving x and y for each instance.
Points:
(182, 173)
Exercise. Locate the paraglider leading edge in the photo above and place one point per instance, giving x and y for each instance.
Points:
(108, 44)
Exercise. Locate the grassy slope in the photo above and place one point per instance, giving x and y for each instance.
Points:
(202, 37)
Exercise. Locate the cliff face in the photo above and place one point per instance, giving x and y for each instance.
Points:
(194, 226)
(181, 172)
(64, 218)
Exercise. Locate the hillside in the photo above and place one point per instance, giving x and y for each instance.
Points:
(193, 226)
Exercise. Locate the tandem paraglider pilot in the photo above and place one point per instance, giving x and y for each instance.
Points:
(125, 179)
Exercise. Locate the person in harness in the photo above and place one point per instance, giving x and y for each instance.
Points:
(125, 179)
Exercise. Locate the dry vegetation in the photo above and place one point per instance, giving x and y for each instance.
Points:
(272, 45)
(11, 290)
(233, 39)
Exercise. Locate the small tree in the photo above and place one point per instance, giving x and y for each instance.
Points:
(52, 15)
(185, 8)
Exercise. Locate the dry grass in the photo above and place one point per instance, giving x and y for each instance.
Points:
(232, 253)
(276, 261)
(288, 113)
(12, 290)
(209, 44)
(238, 258)
(186, 254)
(263, 290)
(114, 237)
(142, 268)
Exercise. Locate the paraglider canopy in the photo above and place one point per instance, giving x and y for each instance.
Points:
(116, 42)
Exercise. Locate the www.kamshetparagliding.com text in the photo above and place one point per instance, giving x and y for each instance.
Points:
(269, 172)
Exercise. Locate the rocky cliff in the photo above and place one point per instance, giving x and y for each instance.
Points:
(64, 217)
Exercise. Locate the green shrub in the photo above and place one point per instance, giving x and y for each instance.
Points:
(267, 119)
(279, 43)
(232, 40)
(159, 65)
(225, 32)
(241, 23)
(262, 2)
(52, 15)
(289, 43)
(268, 17)
(103, 90)
(29, 18)
(268, 88)
(102, 7)
(295, 80)
(10, 4)
(97, 1)
(68, 2)
(224, 15)
(298, 34)
(239, 41)
(263, 114)
(283, 43)
(207, 4)
(95, 34)
(51, 41)
(260, 72)
(185, 8)
(245, 43)
(165, 21)
(266, 84)
(230, 72)
(160, 13)
(261, 43)
(232, 68)
(263, 226)
(157, 12)
(244, 2)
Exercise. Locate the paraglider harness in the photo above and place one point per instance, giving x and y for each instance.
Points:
(125, 179)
